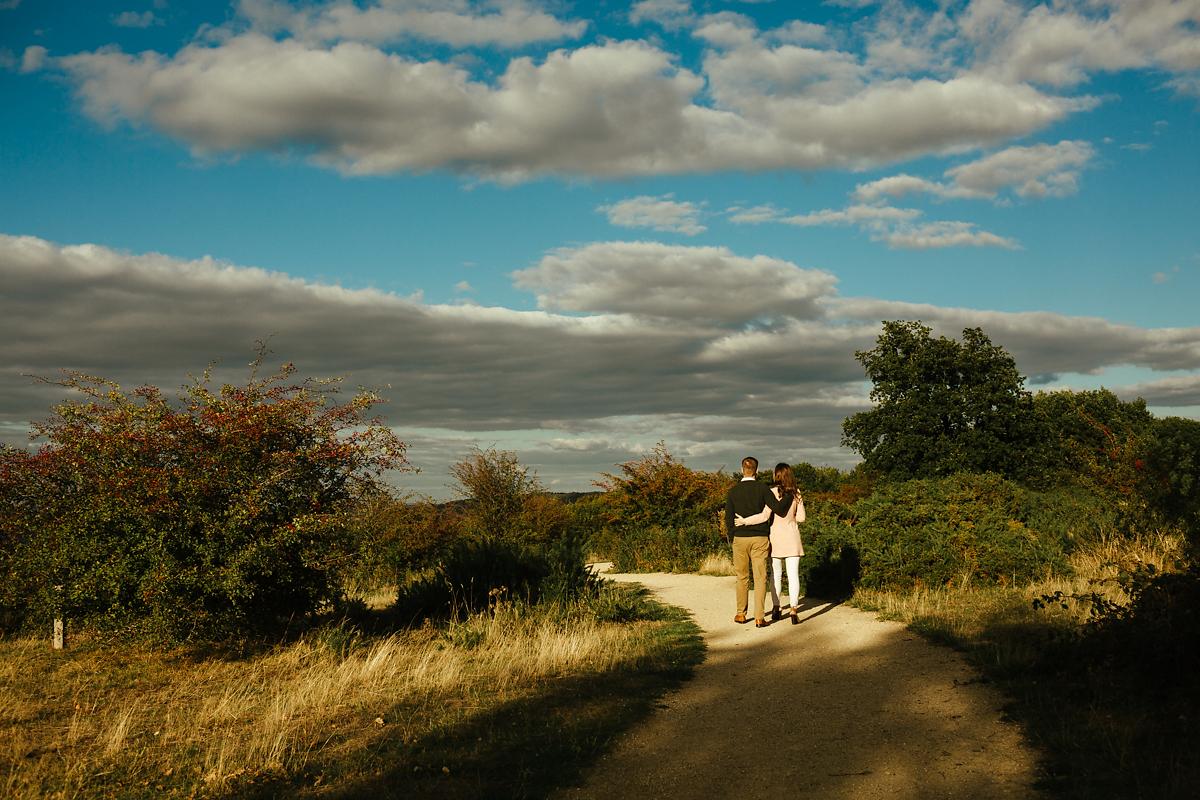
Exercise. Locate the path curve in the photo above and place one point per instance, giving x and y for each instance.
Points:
(842, 706)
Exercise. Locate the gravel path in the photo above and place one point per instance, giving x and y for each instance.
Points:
(840, 706)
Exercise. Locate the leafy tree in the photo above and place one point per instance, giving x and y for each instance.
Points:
(942, 406)
(1095, 440)
(657, 490)
(505, 498)
(220, 515)
(660, 515)
(1174, 461)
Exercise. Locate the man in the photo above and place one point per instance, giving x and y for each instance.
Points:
(751, 543)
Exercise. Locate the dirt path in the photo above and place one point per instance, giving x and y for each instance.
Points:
(841, 706)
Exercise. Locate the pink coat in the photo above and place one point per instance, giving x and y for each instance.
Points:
(785, 530)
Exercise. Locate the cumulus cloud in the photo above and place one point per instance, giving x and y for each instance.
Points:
(1062, 43)
(316, 81)
(710, 284)
(940, 234)
(33, 59)
(1173, 392)
(457, 22)
(1041, 170)
(658, 213)
(667, 13)
(754, 215)
(135, 19)
(627, 373)
(897, 227)
(864, 215)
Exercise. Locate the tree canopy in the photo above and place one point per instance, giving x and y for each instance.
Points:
(224, 513)
(942, 406)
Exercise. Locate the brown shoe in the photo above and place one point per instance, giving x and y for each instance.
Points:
(740, 619)
(761, 623)
(795, 616)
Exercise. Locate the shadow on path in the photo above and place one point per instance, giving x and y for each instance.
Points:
(841, 706)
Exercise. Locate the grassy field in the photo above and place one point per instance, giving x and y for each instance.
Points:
(1107, 730)
(509, 704)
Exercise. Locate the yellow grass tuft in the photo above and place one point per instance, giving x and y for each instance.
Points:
(214, 719)
(717, 564)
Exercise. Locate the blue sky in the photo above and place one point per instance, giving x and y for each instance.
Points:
(572, 229)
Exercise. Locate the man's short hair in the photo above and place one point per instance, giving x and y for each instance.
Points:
(750, 465)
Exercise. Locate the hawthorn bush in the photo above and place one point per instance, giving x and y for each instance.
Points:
(966, 528)
(222, 515)
(660, 515)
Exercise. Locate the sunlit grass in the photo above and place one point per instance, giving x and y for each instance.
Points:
(717, 564)
(102, 720)
(1103, 737)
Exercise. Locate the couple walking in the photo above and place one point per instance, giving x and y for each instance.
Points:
(763, 521)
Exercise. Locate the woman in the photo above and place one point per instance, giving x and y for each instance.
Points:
(786, 547)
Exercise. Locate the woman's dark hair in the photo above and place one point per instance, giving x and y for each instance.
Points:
(785, 479)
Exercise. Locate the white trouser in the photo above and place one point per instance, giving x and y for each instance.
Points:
(793, 573)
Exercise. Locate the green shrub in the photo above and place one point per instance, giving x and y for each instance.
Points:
(830, 567)
(223, 515)
(658, 549)
(476, 573)
(395, 536)
(961, 529)
(658, 515)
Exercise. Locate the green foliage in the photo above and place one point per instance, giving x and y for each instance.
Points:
(659, 515)
(476, 573)
(223, 515)
(1133, 668)
(657, 549)
(831, 565)
(1095, 440)
(941, 406)
(1174, 461)
(397, 535)
(504, 499)
(957, 530)
(812, 479)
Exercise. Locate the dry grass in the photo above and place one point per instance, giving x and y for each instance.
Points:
(91, 717)
(963, 611)
(717, 564)
(1106, 731)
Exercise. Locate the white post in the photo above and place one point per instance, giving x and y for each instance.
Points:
(58, 639)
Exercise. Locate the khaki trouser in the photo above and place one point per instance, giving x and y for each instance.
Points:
(751, 552)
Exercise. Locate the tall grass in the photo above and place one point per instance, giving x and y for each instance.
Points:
(99, 722)
(1110, 726)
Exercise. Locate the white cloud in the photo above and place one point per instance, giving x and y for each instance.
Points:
(463, 286)
(944, 233)
(1062, 43)
(709, 284)
(613, 108)
(1037, 171)
(667, 13)
(754, 215)
(896, 227)
(1041, 170)
(658, 213)
(33, 59)
(134, 19)
(901, 185)
(865, 215)
(457, 22)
